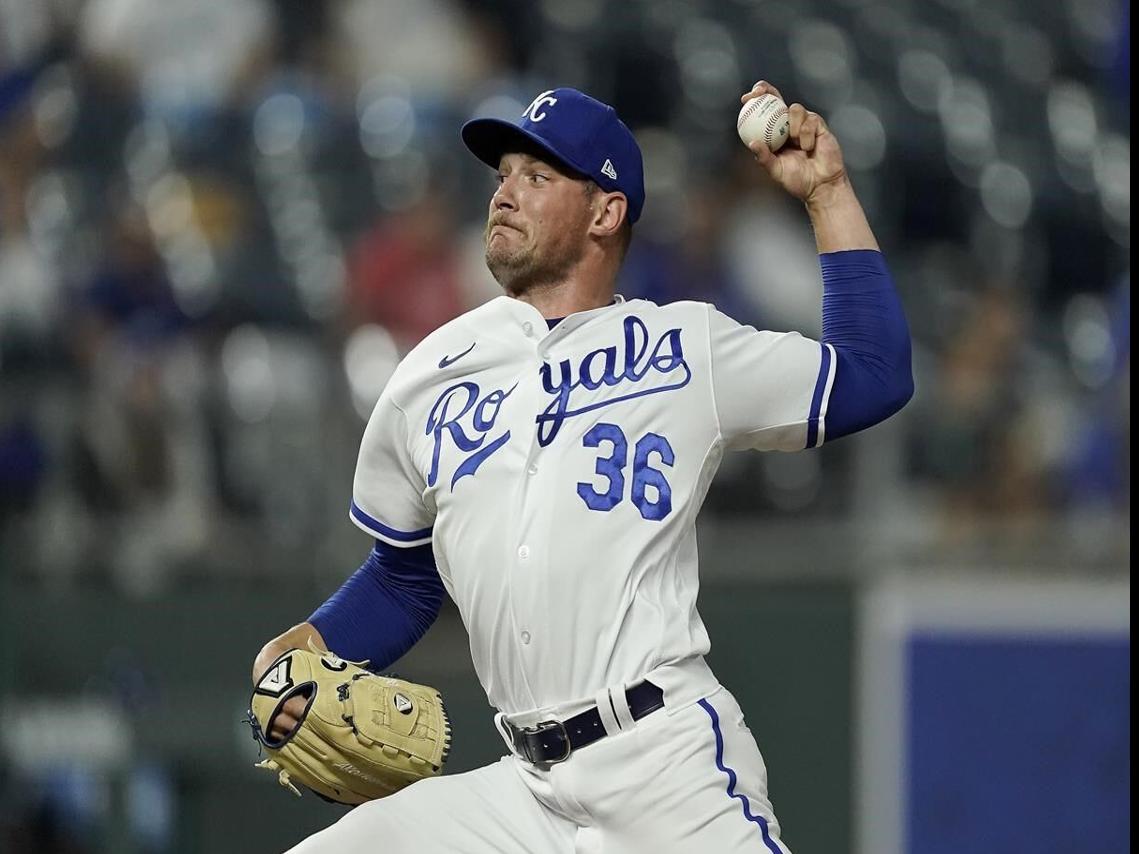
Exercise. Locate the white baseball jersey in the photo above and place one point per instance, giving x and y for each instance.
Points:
(558, 474)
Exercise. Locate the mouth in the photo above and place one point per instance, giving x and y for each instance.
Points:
(499, 231)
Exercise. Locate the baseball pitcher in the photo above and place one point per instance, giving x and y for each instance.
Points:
(542, 460)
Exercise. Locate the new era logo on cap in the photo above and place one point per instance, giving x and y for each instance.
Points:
(578, 131)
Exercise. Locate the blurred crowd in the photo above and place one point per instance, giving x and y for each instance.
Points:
(223, 221)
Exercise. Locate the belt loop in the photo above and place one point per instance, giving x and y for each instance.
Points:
(504, 731)
(605, 709)
(621, 705)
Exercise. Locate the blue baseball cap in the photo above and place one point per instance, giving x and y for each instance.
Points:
(579, 132)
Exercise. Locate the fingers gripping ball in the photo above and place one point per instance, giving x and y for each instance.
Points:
(361, 736)
(764, 119)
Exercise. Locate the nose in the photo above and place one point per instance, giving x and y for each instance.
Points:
(503, 198)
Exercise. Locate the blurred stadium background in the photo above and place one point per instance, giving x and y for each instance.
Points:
(222, 221)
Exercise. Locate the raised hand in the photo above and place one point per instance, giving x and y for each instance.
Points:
(810, 160)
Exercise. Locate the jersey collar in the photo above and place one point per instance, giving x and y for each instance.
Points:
(524, 313)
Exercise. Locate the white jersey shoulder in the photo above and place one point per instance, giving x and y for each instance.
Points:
(388, 488)
(445, 346)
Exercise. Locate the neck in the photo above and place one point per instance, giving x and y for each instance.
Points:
(581, 290)
(588, 282)
(563, 300)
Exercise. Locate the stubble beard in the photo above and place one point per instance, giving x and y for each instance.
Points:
(523, 269)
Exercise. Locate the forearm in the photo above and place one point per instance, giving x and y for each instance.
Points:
(384, 608)
(838, 219)
(297, 637)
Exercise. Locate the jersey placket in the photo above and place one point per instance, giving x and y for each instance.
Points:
(530, 536)
(536, 525)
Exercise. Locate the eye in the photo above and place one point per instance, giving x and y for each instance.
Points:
(539, 178)
(499, 178)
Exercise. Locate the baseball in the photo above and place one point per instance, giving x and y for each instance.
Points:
(764, 118)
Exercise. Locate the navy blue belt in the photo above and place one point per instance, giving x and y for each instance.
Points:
(549, 742)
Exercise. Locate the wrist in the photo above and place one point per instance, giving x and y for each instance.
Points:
(830, 194)
(837, 218)
(297, 637)
(268, 654)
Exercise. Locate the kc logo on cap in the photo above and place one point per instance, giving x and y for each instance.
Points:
(542, 100)
(576, 131)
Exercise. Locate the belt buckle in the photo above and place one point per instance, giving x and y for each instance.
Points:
(544, 727)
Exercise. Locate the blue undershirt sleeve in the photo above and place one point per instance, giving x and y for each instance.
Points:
(864, 323)
(384, 607)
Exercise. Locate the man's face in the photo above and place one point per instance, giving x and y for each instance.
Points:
(538, 223)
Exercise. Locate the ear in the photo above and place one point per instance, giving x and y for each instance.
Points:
(610, 211)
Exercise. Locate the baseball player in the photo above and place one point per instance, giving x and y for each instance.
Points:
(542, 460)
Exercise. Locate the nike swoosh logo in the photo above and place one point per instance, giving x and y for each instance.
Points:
(450, 360)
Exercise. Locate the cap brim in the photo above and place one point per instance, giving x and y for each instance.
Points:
(489, 139)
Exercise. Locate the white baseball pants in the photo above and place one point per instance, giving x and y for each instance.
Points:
(680, 780)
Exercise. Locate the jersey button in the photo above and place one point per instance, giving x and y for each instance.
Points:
(524, 552)
(528, 328)
(532, 470)
(525, 637)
